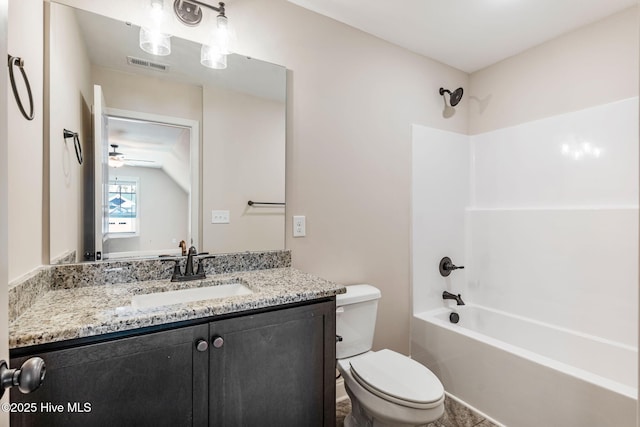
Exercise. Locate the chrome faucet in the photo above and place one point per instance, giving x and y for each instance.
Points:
(449, 295)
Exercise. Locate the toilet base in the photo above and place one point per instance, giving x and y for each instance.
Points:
(359, 417)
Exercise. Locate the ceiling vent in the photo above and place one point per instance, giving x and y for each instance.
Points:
(139, 62)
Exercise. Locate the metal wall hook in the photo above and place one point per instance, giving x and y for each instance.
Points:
(14, 60)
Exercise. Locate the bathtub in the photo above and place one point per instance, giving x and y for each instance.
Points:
(521, 372)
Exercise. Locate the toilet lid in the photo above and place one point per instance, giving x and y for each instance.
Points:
(397, 378)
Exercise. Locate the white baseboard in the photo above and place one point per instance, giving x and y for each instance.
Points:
(480, 413)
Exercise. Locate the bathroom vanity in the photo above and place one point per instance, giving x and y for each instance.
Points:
(263, 358)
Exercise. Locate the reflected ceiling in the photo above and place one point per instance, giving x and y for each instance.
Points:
(257, 78)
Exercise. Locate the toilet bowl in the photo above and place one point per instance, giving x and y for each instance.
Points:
(386, 388)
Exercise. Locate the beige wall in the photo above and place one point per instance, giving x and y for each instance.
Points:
(351, 101)
(593, 65)
(243, 157)
(134, 92)
(25, 202)
(71, 94)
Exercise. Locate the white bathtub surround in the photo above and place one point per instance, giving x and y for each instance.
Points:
(584, 158)
(544, 216)
(525, 373)
(553, 220)
(571, 267)
(440, 193)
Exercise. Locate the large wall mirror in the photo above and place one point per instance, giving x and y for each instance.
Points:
(171, 150)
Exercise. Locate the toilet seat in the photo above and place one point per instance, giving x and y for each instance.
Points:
(398, 379)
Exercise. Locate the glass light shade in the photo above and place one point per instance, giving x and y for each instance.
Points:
(223, 35)
(211, 57)
(155, 42)
(116, 161)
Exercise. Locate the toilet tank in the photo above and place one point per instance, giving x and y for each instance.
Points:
(356, 319)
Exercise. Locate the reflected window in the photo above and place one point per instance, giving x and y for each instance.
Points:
(123, 206)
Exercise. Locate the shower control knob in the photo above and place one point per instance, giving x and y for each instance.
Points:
(217, 342)
(202, 345)
(446, 266)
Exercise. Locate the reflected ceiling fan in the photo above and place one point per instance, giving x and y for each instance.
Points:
(117, 159)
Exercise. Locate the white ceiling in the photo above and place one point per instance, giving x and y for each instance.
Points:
(152, 145)
(466, 34)
(147, 144)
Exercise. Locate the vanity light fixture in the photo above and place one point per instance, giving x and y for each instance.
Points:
(213, 54)
(152, 39)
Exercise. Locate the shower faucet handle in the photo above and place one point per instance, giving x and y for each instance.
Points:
(446, 266)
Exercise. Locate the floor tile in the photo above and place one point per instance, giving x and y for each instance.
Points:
(458, 415)
(342, 410)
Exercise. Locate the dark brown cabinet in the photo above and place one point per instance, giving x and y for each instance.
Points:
(273, 368)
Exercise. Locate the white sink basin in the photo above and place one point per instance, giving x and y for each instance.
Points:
(189, 295)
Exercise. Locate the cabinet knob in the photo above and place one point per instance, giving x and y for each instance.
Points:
(28, 378)
(217, 342)
(202, 345)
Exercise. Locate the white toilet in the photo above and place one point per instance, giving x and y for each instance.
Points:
(386, 388)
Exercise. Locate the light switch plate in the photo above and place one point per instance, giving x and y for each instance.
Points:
(299, 226)
(220, 217)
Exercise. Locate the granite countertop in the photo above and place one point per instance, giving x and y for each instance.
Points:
(66, 314)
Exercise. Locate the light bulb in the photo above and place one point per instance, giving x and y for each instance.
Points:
(157, 6)
(156, 12)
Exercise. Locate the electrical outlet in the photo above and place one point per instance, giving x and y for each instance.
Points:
(299, 226)
(220, 217)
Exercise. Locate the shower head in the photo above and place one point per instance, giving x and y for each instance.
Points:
(454, 97)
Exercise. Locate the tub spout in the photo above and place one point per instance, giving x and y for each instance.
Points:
(449, 295)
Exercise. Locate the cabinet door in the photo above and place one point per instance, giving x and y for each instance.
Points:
(158, 379)
(274, 369)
